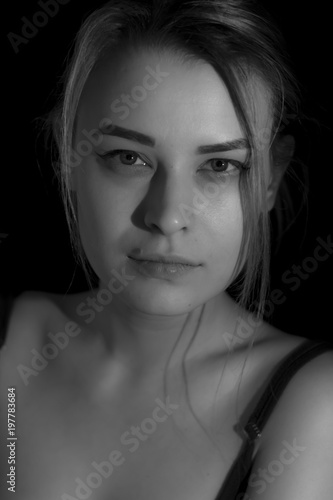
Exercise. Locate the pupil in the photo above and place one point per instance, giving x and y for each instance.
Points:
(220, 164)
(129, 157)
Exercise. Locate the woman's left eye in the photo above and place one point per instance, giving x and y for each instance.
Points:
(225, 166)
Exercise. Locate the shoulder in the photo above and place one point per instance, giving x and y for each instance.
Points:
(32, 314)
(38, 327)
(295, 454)
(34, 310)
(28, 310)
(310, 389)
(309, 392)
(27, 315)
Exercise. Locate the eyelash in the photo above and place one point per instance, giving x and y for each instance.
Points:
(116, 152)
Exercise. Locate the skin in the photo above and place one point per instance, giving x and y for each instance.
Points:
(126, 211)
(108, 377)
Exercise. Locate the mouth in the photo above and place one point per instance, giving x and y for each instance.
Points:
(163, 267)
(166, 260)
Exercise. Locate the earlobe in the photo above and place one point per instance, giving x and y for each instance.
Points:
(282, 153)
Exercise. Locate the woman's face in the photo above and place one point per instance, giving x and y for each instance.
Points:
(163, 195)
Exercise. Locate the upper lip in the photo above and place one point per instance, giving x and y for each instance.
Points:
(167, 259)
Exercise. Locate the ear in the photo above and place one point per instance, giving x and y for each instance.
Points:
(282, 152)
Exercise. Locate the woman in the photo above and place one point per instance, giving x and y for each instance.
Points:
(172, 149)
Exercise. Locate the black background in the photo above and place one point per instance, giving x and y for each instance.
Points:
(36, 253)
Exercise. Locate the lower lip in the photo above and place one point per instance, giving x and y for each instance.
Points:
(161, 269)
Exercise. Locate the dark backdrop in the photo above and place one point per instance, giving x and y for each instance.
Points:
(35, 253)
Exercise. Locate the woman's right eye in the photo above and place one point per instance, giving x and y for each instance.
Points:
(126, 157)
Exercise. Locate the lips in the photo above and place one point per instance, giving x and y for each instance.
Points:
(165, 259)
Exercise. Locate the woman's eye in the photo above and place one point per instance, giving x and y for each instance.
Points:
(225, 166)
(219, 166)
(126, 157)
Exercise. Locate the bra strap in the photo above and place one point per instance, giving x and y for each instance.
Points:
(278, 382)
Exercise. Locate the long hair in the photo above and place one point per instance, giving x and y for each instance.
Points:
(238, 39)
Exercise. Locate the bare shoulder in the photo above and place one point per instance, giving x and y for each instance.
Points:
(315, 377)
(285, 343)
(38, 310)
(270, 348)
(39, 329)
(297, 440)
(314, 380)
(32, 316)
(29, 310)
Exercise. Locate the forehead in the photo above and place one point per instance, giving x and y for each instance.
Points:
(167, 97)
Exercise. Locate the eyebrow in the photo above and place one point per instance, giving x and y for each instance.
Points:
(132, 135)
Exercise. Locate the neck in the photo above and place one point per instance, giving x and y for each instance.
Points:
(142, 343)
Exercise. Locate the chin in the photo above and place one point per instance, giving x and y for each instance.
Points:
(159, 300)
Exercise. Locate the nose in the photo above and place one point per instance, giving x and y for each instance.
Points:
(168, 203)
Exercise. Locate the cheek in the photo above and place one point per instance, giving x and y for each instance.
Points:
(102, 214)
(225, 222)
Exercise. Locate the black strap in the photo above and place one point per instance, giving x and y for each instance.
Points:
(278, 382)
(235, 483)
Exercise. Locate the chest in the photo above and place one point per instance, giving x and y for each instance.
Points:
(135, 446)
(75, 450)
